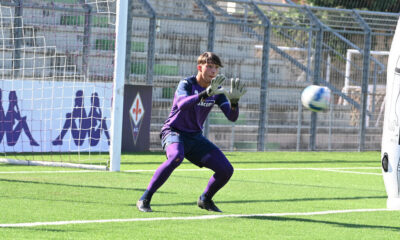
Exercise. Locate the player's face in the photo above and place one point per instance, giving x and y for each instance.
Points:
(208, 71)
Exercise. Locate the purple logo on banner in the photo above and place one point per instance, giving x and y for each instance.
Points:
(81, 124)
(12, 123)
(136, 114)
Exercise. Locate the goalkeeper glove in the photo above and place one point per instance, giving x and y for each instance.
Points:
(236, 92)
(215, 87)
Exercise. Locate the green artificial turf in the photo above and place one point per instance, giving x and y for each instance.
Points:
(289, 183)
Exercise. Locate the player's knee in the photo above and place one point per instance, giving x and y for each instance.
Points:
(229, 171)
(226, 172)
(175, 158)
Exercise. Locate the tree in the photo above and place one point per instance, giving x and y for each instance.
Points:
(371, 5)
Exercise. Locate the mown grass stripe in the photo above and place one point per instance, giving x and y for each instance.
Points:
(202, 217)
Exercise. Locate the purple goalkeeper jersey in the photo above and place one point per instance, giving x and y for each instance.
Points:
(189, 112)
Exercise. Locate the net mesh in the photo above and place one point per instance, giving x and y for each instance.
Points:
(56, 88)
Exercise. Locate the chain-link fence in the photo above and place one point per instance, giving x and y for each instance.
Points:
(276, 49)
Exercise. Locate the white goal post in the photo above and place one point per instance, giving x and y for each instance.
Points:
(119, 80)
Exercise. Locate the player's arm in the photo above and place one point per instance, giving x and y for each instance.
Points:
(230, 112)
(185, 100)
(183, 96)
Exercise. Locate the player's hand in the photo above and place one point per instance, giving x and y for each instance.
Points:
(236, 92)
(215, 86)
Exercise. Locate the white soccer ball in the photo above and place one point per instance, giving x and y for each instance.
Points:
(316, 98)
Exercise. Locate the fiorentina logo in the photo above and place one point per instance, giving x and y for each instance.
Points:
(136, 114)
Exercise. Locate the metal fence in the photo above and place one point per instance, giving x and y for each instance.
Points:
(276, 49)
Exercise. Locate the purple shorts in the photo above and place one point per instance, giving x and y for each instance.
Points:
(196, 146)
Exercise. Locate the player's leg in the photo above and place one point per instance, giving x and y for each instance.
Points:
(28, 132)
(1, 121)
(1, 131)
(67, 125)
(223, 170)
(79, 133)
(13, 134)
(175, 155)
(94, 134)
(204, 153)
(77, 124)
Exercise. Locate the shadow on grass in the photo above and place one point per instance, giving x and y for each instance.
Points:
(277, 200)
(125, 162)
(294, 162)
(41, 229)
(339, 224)
(186, 176)
(76, 185)
(153, 163)
(69, 201)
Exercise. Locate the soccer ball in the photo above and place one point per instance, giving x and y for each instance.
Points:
(316, 98)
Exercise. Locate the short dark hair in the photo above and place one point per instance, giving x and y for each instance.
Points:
(209, 57)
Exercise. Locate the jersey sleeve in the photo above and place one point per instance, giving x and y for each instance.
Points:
(184, 89)
(230, 113)
(184, 97)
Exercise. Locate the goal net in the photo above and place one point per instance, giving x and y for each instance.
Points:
(56, 61)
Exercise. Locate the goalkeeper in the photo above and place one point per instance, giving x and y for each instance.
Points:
(181, 135)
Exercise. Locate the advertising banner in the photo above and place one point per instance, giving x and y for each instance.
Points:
(50, 116)
(137, 114)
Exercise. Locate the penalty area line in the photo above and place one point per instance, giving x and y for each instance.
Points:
(202, 217)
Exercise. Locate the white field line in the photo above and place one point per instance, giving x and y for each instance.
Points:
(202, 217)
(353, 172)
(61, 171)
(341, 169)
